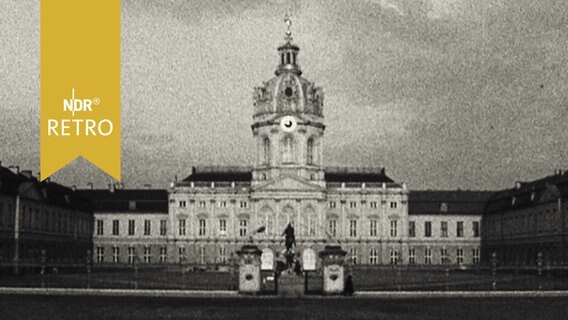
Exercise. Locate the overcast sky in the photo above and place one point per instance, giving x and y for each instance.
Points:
(444, 93)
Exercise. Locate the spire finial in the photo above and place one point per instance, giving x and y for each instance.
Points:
(288, 22)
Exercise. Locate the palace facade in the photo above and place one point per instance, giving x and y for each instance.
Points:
(206, 217)
(38, 217)
(527, 220)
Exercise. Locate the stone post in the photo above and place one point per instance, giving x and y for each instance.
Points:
(333, 260)
(249, 269)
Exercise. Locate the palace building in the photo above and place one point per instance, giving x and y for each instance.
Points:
(528, 221)
(206, 217)
(41, 221)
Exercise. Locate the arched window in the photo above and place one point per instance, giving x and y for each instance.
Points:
(287, 149)
(282, 58)
(288, 61)
(266, 148)
(310, 157)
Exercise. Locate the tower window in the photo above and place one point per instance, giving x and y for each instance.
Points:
(266, 147)
(310, 151)
(287, 149)
(282, 59)
(288, 57)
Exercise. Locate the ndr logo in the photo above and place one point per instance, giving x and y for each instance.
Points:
(79, 105)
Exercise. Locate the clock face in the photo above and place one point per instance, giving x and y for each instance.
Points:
(288, 124)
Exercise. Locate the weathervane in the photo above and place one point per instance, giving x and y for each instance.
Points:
(289, 25)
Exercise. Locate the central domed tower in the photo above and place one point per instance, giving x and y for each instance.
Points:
(288, 122)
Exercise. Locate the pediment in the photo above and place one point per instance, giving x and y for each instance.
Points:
(289, 183)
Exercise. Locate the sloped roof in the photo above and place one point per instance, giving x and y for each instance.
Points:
(526, 194)
(10, 181)
(356, 174)
(453, 201)
(217, 174)
(128, 200)
(51, 193)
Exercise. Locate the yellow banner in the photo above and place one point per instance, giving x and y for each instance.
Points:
(80, 84)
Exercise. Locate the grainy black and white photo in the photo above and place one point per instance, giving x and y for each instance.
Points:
(288, 159)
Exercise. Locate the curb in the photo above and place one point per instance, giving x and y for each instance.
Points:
(235, 294)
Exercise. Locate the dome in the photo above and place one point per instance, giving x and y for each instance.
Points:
(288, 92)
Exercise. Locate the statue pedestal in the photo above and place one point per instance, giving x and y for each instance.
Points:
(249, 269)
(333, 259)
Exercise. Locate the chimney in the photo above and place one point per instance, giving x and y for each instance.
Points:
(91, 185)
(518, 184)
(27, 173)
(74, 187)
(111, 187)
(14, 169)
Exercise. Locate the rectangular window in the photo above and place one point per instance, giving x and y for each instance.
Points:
(201, 255)
(427, 229)
(202, 227)
(373, 226)
(202, 204)
(373, 257)
(181, 255)
(352, 204)
(444, 255)
(332, 228)
(243, 204)
(131, 254)
(353, 255)
(394, 228)
(182, 204)
(411, 256)
(222, 255)
(411, 229)
(181, 227)
(100, 227)
(115, 254)
(459, 229)
(444, 229)
(352, 228)
(332, 204)
(475, 229)
(115, 227)
(223, 226)
(373, 204)
(243, 228)
(163, 254)
(222, 204)
(393, 256)
(427, 256)
(393, 204)
(459, 256)
(131, 227)
(475, 255)
(163, 227)
(100, 254)
(147, 256)
(147, 227)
